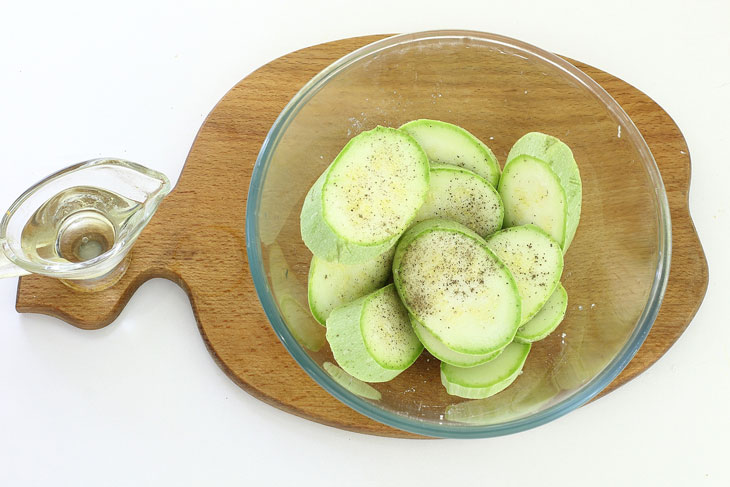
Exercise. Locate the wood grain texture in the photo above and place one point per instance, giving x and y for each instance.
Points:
(197, 240)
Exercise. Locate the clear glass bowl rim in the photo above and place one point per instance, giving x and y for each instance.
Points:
(402, 422)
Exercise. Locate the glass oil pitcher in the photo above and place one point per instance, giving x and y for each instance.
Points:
(79, 224)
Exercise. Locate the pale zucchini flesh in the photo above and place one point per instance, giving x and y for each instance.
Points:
(323, 242)
(560, 158)
(366, 198)
(446, 143)
(535, 261)
(444, 353)
(531, 193)
(456, 287)
(332, 284)
(461, 195)
(387, 331)
(547, 319)
(487, 379)
(371, 338)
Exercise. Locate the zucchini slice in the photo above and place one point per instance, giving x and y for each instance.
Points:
(331, 284)
(447, 143)
(487, 379)
(547, 319)
(372, 338)
(560, 159)
(531, 193)
(444, 353)
(535, 261)
(367, 197)
(456, 287)
(463, 196)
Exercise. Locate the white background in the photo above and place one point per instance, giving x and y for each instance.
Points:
(141, 402)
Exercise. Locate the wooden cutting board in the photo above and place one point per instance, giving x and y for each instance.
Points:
(197, 240)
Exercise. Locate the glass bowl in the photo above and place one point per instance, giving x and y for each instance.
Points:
(499, 89)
